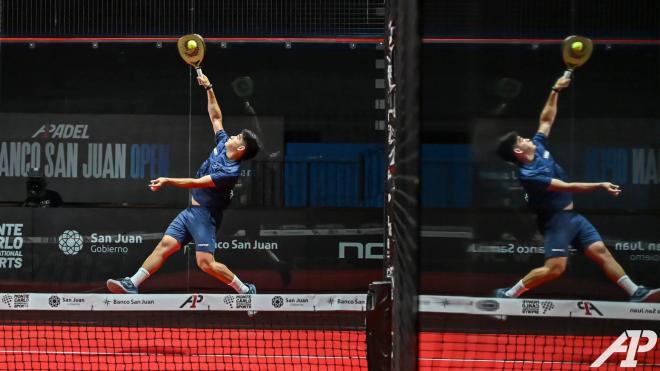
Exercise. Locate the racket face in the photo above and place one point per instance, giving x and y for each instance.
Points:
(194, 56)
(576, 58)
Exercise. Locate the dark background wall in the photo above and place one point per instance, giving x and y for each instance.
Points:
(315, 87)
(487, 67)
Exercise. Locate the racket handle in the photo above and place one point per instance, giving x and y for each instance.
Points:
(568, 74)
(199, 71)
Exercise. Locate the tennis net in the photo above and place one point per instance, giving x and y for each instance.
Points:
(315, 332)
(471, 333)
(182, 332)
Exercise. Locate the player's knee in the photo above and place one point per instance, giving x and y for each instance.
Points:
(166, 246)
(556, 270)
(205, 263)
(599, 248)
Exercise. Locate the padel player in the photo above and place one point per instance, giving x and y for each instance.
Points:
(211, 193)
(550, 196)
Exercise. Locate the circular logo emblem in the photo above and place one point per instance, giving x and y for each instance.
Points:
(278, 301)
(54, 301)
(70, 242)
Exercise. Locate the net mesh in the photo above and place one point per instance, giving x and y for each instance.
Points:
(314, 332)
(182, 332)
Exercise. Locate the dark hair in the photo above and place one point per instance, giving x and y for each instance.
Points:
(252, 146)
(505, 146)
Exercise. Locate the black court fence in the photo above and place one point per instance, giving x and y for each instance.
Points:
(324, 18)
(157, 18)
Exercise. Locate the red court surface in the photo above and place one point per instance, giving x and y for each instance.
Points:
(458, 351)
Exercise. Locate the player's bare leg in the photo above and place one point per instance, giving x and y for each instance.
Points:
(167, 246)
(602, 256)
(207, 263)
(599, 253)
(551, 270)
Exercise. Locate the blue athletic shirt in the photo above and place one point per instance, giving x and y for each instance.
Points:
(536, 176)
(223, 171)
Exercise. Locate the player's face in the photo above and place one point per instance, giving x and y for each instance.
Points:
(525, 144)
(236, 141)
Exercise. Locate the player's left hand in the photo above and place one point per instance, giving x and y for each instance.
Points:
(155, 184)
(612, 189)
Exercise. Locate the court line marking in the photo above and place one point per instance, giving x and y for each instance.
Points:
(518, 361)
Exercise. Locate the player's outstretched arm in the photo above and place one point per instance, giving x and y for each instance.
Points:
(550, 109)
(213, 106)
(203, 182)
(574, 187)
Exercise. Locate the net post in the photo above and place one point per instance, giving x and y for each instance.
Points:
(379, 326)
(402, 46)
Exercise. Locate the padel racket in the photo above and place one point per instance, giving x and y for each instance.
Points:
(192, 48)
(576, 51)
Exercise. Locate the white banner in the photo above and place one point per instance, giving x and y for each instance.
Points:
(540, 307)
(183, 302)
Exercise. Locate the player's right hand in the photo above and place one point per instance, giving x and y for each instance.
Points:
(203, 81)
(562, 83)
(612, 189)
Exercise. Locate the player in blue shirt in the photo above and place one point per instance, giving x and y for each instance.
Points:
(550, 196)
(211, 193)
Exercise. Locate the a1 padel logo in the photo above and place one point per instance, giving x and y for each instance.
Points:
(62, 131)
(631, 349)
(589, 308)
(192, 301)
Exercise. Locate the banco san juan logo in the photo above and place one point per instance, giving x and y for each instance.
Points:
(277, 302)
(54, 301)
(70, 242)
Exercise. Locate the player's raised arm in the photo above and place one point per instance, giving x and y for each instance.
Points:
(550, 109)
(213, 106)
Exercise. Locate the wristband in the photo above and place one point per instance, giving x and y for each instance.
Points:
(209, 87)
(555, 89)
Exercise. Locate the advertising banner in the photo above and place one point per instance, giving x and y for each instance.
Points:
(77, 250)
(15, 248)
(110, 159)
(474, 253)
(307, 250)
(183, 302)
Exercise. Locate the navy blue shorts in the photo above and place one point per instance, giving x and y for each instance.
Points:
(198, 224)
(565, 228)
